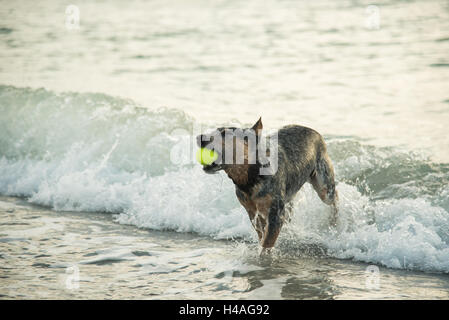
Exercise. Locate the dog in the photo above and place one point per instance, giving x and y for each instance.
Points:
(301, 157)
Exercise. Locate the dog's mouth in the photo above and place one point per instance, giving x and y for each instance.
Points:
(214, 166)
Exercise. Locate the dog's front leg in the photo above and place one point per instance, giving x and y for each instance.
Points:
(273, 224)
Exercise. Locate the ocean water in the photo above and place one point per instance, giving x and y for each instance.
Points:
(97, 177)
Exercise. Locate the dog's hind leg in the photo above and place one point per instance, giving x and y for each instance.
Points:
(323, 181)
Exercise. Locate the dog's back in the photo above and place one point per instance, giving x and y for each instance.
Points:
(299, 150)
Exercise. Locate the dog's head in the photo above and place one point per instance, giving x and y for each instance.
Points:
(236, 149)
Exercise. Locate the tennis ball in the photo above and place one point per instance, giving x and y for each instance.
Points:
(206, 156)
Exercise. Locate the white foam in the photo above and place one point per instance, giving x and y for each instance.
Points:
(403, 233)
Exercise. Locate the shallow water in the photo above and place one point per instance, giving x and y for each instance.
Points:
(82, 134)
(115, 261)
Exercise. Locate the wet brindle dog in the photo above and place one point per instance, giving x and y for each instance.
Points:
(301, 157)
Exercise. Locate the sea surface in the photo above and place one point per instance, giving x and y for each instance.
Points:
(100, 195)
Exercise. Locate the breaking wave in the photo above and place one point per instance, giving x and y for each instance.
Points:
(97, 153)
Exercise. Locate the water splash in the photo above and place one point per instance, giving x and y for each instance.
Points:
(92, 152)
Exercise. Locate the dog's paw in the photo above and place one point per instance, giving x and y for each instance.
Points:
(264, 252)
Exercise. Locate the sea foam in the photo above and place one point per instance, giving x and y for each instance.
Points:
(96, 153)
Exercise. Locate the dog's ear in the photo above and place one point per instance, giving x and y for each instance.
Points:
(257, 127)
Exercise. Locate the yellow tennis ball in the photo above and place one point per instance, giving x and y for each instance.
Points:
(206, 156)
